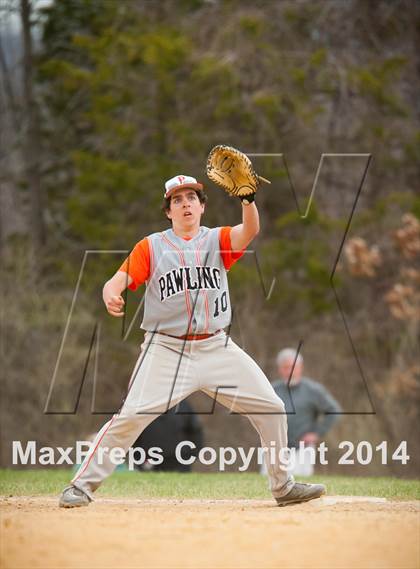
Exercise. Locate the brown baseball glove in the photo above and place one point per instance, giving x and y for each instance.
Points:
(233, 170)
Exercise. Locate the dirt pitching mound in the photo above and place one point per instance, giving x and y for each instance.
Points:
(333, 532)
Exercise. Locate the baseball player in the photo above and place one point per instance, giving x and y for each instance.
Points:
(186, 349)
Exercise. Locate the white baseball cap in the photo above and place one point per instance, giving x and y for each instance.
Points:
(180, 182)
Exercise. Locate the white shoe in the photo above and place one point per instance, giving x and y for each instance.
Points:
(72, 497)
(301, 492)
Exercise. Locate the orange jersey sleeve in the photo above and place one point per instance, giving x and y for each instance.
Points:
(229, 257)
(137, 264)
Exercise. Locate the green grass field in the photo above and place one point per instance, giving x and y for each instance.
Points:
(197, 485)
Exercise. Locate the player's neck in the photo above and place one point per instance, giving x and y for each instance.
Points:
(182, 231)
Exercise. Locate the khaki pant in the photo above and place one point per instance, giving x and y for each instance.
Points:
(170, 369)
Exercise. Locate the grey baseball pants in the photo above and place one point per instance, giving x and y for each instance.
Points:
(170, 369)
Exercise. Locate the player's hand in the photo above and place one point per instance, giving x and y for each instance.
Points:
(115, 306)
(310, 439)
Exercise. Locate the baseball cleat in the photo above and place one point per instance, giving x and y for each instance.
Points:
(301, 492)
(72, 497)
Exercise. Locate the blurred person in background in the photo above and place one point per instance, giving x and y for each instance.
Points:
(173, 427)
(310, 407)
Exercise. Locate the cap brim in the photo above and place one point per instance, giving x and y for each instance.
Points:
(192, 186)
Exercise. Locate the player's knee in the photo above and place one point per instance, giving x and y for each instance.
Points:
(278, 406)
(274, 406)
(127, 423)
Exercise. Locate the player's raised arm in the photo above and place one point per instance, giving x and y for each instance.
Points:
(112, 290)
(242, 234)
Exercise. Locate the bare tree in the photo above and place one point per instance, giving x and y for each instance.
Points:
(12, 218)
(32, 140)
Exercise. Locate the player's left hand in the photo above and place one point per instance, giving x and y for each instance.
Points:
(115, 306)
(310, 438)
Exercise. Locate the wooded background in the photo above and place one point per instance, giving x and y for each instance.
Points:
(102, 101)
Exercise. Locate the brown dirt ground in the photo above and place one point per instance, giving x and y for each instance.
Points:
(116, 533)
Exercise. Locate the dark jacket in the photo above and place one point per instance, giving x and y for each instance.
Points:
(178, 424)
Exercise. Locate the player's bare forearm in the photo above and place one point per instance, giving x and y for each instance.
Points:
(112, 290)
(242, 234)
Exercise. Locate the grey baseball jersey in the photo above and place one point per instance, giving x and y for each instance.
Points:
(187, 291)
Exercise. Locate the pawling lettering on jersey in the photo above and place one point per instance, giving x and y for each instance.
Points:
(188, 278)
(187, 290)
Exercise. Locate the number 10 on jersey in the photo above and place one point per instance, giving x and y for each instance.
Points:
(220, 304)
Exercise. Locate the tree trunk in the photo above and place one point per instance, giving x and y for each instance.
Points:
(32, 141)
(12, 218)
